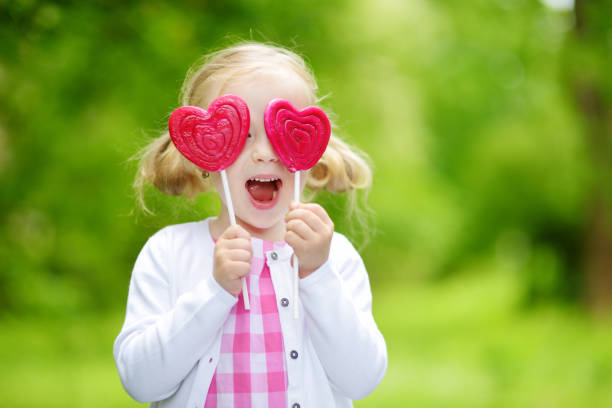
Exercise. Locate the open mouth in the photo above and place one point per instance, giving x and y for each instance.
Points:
(264, 190)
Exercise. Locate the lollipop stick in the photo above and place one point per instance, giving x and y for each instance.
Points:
(228, 197)
(230, 209)
(296, 275)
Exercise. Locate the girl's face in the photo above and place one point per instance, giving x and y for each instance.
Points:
(261, 186)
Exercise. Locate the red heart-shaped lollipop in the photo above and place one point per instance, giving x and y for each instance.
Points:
(299, 138)
(212, 139)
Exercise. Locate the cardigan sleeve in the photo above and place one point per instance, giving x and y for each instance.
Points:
(162, 339)
(338, 304)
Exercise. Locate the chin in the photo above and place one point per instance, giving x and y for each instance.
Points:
(260, 223)
(265, 219)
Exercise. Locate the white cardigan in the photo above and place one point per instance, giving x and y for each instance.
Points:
(168, 348)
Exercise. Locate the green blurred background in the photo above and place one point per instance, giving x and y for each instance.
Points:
(489, 124)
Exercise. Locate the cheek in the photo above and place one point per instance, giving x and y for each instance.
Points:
(303, 177)
(235, 180)
(216, 180)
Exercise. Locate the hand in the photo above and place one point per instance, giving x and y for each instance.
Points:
(309, 232)
(233, 255)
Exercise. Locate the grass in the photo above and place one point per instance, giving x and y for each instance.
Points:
(467, 343)
(61, 363)
(459, 343)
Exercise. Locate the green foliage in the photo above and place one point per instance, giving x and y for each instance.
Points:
(482, 176)
(461, 106)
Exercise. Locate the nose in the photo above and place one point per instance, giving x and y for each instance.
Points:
(262, 150)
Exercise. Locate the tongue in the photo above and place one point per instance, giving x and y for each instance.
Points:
(261, 190)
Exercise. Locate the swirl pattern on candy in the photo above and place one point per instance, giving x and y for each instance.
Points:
(299, 138)
(213, 138)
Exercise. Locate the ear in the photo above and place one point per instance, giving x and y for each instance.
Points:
(299, 138)
(212, 139)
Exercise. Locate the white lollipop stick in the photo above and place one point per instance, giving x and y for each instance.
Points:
(296, 275)
(230, 209)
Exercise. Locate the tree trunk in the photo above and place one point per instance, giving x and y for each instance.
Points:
(590, 87)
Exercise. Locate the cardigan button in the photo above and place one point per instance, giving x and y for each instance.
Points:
(284, 302)
(274, 256)
(293, 354)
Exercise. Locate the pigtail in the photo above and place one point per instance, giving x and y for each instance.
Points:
(162, 165)
(342, 168)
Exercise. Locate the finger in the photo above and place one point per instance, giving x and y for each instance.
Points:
(320, 212)
(295, 241)
(317, 210)
(239, 255)
(235, 231)
(236, 243)
(239, 269)
(308, 217)
(224, 256)
(302, 229)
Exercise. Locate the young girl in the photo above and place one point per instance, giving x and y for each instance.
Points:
(187, 340)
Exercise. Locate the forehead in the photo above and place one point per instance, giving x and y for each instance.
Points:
(258, 88)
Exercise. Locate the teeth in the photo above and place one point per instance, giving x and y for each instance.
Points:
(264, 180)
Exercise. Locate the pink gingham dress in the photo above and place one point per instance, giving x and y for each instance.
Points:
(252, 371)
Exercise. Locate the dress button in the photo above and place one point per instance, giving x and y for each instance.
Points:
(284, 302)
(274, 256)
(293, 354)
(296, 405)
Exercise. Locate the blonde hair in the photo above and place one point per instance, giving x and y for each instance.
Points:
(342, 168)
